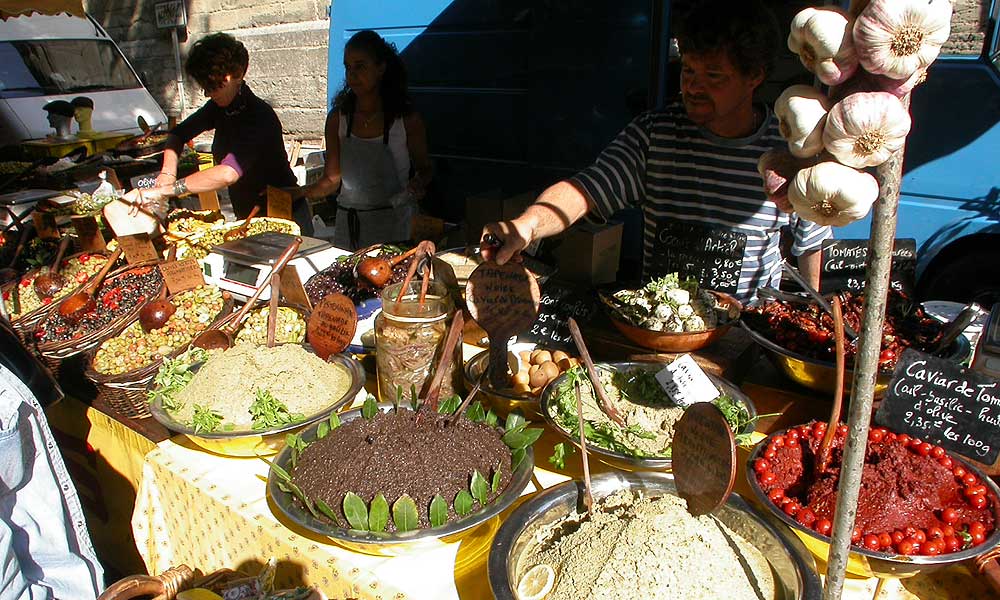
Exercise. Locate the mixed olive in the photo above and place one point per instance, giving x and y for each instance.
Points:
(290, 327)
(76, 269)
(114, 298)
(133, 348)
(198, 246)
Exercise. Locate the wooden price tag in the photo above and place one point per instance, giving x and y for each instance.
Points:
(209, 200)
(89, 233)
(279, 203)
(292, 289)
(45, 225)
(182, 275)
(138, 248)
(704, 458)
(332, 325)
(686, 383)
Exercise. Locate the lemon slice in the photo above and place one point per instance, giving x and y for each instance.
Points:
(198, 594)
(536, 583)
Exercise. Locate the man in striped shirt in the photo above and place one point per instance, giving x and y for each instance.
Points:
(694, 161)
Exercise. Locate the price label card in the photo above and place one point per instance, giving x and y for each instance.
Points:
(332, 325)
(704, 458)
(844, 264)
(89, 233)
(45, 225)
(138, 248)
(279, 203)
(686, 383)
(292, 289)
(182, 275)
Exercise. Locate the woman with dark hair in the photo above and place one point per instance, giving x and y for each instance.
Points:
(373, 135)
(248, 149)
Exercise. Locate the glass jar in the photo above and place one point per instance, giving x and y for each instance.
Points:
(408, 341)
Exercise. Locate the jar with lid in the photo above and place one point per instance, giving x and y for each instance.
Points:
(408, 340)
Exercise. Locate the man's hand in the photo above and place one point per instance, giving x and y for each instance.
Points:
(514, 236)
(151, 201)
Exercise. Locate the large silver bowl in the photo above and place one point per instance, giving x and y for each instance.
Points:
(265, 441)
(821, 375)
(794, 569)
(869, 563)
(624, 461)
(392, 544)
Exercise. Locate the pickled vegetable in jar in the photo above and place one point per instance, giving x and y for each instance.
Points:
(408, 340)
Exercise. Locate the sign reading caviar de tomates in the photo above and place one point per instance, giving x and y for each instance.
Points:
(712, 256)
(844, 263)
(944, 403)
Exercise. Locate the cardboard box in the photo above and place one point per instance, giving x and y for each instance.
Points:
(490, 206)
(589, 253)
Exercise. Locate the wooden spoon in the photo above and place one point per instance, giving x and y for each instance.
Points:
(241, 231)
(49, 284)
(377, 270)
(9, 273)
(595, 379)
(588, 498)
(503, 299)
(222, 338)
(80, 304)
(823, 453)
(272, 313)
(433, 393)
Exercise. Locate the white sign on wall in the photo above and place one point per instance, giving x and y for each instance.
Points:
(170, 14)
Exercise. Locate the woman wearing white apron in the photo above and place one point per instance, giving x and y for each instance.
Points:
(373, 135)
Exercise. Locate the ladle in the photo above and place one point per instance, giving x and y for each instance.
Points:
(602, 396)
(823, 454)
(49, 284)
(799, 279)
(77, 306)
(155, 314)
(241, 231)
(222, 338)
(377, 270)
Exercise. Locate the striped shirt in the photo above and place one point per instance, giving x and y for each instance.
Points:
(671, 168)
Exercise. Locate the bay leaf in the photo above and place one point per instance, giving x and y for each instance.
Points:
(369, 408)
(334, 421)
(516, 457)
(514, 420)
(475, 412)
(327, 511)
(322, 430)
(356, 511)
(404, 514)
(521, 438)
(463, 503)
(378, 514)
(438, 511)
(479, 488)
(495, 484)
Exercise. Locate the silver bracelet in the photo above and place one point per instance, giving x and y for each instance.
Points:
(180, 187)
(168, 174)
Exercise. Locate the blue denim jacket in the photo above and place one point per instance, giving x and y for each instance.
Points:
(45, 548)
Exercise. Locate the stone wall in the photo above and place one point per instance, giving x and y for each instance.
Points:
(287, 41)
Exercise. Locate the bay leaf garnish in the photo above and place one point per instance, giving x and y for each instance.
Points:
(404, 514)
(378, 514)
(356, 511)
(479, 488)
(438, 511)
(463, 503)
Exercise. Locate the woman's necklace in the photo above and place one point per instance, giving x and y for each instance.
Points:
(366, 121)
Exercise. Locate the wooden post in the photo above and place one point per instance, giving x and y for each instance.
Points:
(883, 232)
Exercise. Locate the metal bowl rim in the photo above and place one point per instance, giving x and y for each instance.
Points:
(354, 370)
(519, 480)
(915, 559)
(513, 527)
(642, 462)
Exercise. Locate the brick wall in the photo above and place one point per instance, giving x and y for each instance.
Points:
(287, 41)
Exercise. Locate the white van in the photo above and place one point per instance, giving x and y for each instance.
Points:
(45, 58)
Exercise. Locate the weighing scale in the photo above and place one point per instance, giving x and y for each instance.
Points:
(241, 266)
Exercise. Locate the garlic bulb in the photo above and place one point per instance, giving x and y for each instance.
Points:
(863, 81)
(896, 38)
(832, 194)
(801, 112)
(822, 39)
(777, 168)
(865, 128)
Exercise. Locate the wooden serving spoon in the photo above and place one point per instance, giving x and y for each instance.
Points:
(823, 453)
(377, 270)
(9, 273)
(588, 498)
(222, 338)
(241, 231)
(80, 304)
(595, 379)
(272, 313)
(49, 284)
(447, 353)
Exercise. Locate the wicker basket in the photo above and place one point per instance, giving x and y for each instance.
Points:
(167, 585)
(53, 353)
(26, 324)
(127, 392)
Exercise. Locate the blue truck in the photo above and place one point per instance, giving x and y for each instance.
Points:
(517, 94)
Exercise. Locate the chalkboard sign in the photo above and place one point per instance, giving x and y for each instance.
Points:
(559, 302)
(712, 256)
(144, 181)
(939, 401)
(844, 263)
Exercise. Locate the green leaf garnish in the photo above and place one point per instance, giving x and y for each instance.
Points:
(521, 438)
(378, 514)
(438, 511)
(559, 453)
(356, 511)
(204, 419)
(516, 457)
(475, 412)
(404, 514)
(334, 421)
(267, 412)
(514, 420)
(449, 405)
(463, 503)
(414, 400)
(479, 488)
(322, 430)
(495, 484)
(328, 512)
(283, 474)
(370, 408)
(491, 418)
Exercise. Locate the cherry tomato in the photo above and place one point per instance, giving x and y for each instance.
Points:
(952, 544)
(871, 542)
(919, 536)
(890, 437)
(792, 434)
(948, 530)
(979, 501)
(884, 540)
(792, 508)
(932, 548)
(945, 461)
(976, 527)
(818, 429)
(856, 536)
(776, 495)
(876, 435)
(905, 547)
(887, 356)
(903, 439)
(898, 536)
(778, 441)
(925, 449)
(770, 454)
(767, 478)
(975, 490)
(959, 472)
(937, 452)
(760, 465)
(792, 442)
(915, 443)
(934, 533)
(786, 500)
(842, 430)
(915, 543)
(970, 479)
(806, 516)
(823, 526)
(978, 538)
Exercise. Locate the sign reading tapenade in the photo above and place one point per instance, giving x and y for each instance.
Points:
(713, 256)
(941, 402)
(558, 303)
(332, 324)
(844, 263)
